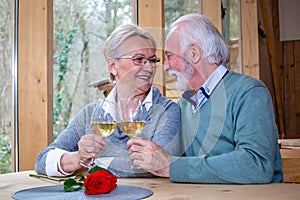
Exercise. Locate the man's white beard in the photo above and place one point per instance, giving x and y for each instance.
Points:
(182, 78)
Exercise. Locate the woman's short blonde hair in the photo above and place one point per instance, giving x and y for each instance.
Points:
(120, 34)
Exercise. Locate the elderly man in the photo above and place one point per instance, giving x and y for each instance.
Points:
(228, 130)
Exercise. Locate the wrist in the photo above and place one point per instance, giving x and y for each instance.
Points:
(163, 172)
(69, 162)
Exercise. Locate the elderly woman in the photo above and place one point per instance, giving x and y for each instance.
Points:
(131, 56)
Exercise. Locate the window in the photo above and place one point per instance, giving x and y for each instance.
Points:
(231, 32)
(5, 86)
(80, 28)
(173, 9)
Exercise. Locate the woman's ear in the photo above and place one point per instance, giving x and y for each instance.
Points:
(112, 66)
(195, 53)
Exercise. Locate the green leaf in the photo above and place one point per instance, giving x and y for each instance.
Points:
(94, 169)
(71, 185)
(81, 178)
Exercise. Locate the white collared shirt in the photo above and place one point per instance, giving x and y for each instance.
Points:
(209, 85)
(112, 97)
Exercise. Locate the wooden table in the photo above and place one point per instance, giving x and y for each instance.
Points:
(294, 143)
(163, 189)
(290, 154)
(291, 165)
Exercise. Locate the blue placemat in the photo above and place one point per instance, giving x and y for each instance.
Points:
(57, 193)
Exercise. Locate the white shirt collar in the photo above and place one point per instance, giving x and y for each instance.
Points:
(148, 100)
(112, 97)
(214, 79)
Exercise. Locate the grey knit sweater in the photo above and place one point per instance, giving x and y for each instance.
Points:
(162, 127)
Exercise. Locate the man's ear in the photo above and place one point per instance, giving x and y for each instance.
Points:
(112, 66)
(194, 53)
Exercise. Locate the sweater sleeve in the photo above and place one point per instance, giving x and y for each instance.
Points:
(254, 140)
(67, 139)
(167, 127)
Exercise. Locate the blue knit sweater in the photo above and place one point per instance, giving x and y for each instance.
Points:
(232, 138)
(161, 127)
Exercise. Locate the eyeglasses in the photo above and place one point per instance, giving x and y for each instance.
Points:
(141, 61)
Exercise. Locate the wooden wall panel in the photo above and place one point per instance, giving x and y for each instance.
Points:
(297, 84)
(35, 79)
(285, 59)
(289, 89)
(297, 75)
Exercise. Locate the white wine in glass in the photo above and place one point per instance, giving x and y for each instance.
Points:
(103, 129)
(102, 120)
(131, 128)
(131, 116)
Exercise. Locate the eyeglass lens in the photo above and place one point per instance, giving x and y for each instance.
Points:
(139, 60)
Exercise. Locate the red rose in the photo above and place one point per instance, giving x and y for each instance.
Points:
(100, 182)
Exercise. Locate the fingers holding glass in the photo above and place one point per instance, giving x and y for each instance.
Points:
(131, 117)
(103, 121)
(89, 147)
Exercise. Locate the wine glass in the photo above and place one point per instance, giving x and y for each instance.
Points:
(131, 118)
(103, 121)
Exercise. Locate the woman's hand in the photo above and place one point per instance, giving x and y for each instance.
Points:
(150, 156)
(89, 147)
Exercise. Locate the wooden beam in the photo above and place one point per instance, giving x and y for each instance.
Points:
(151, 17)
(212, 10)
(267, 17)
(35, 80)
(249, 35)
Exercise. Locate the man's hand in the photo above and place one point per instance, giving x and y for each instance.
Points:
(149, 156)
